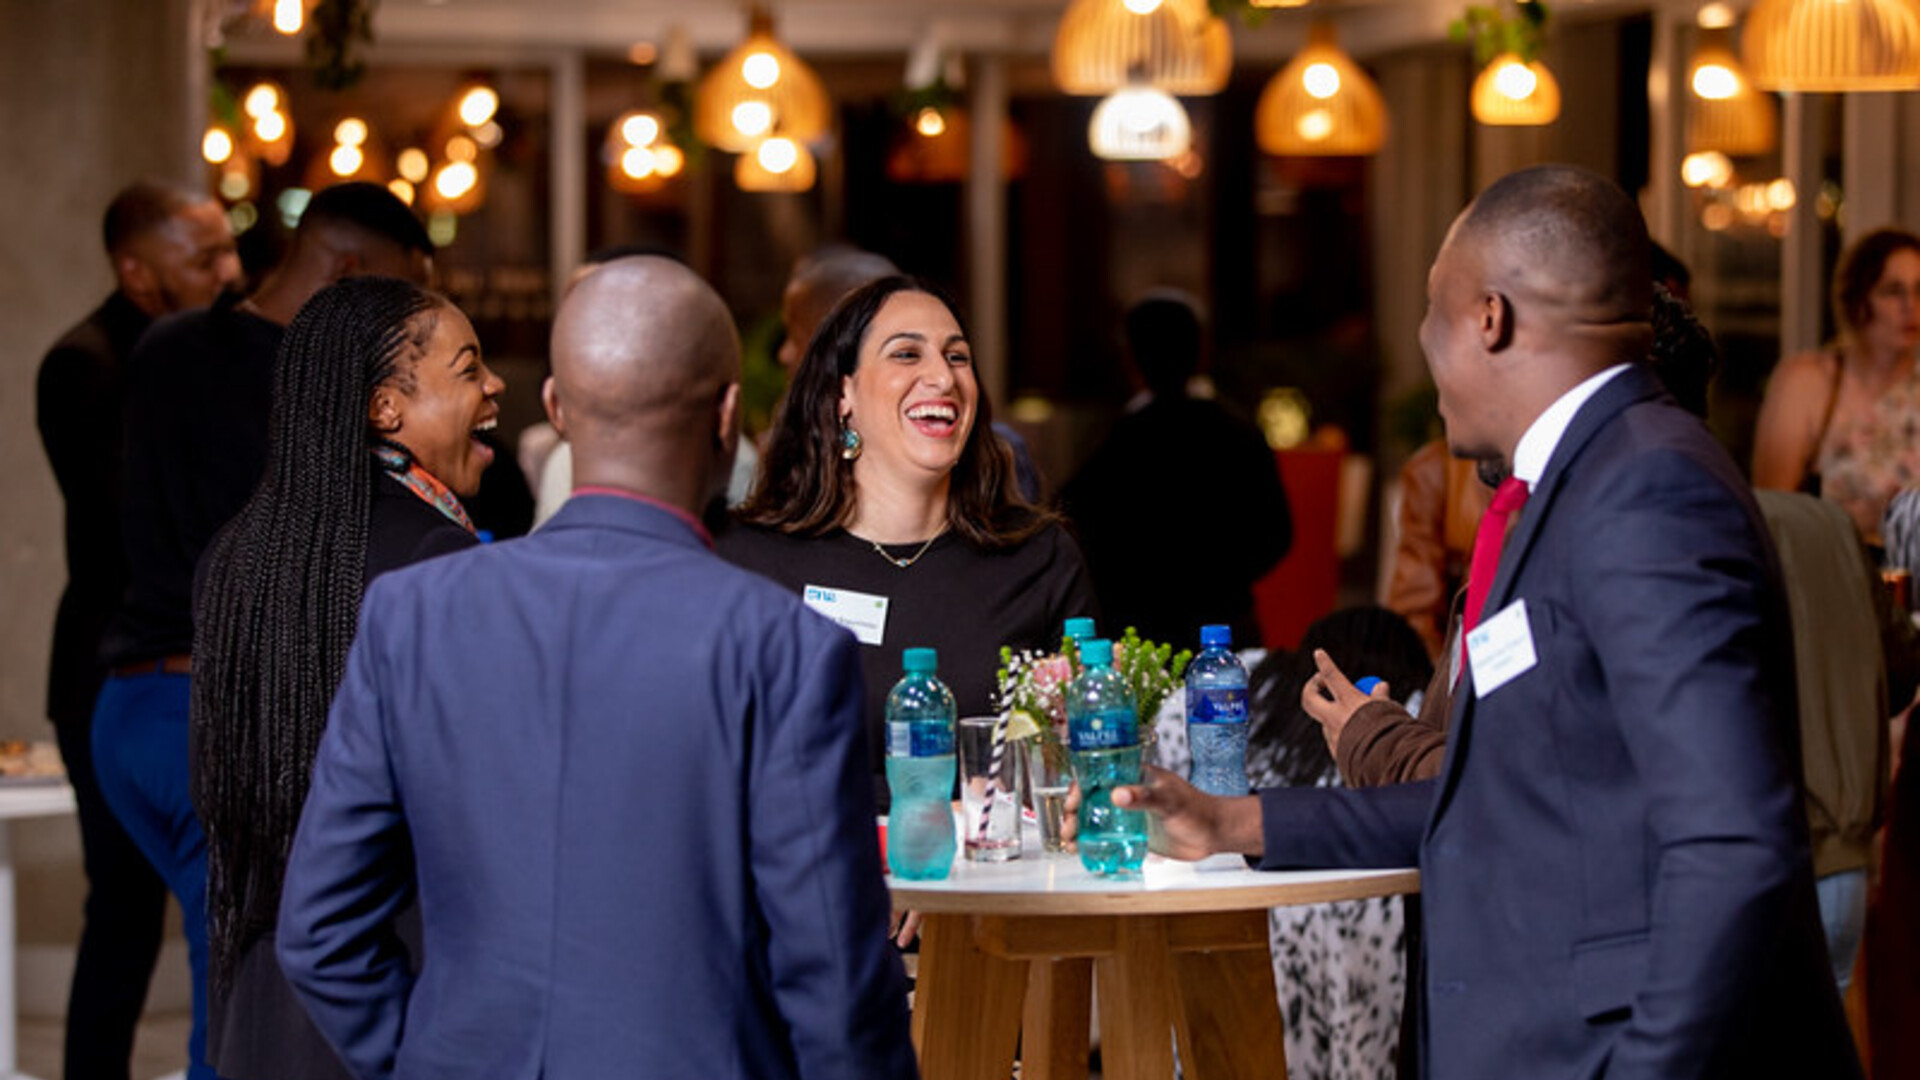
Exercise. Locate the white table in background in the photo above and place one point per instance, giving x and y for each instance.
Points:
(1009, 951)
(19, 800)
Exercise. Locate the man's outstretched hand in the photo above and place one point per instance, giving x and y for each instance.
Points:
(1194, 823)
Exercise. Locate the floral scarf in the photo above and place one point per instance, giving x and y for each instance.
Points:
(398, 463)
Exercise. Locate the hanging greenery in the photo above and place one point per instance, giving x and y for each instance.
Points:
(1510, 26)
(338, 29)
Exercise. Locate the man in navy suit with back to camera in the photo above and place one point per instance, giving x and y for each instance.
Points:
(1613, 860)
(629, 778)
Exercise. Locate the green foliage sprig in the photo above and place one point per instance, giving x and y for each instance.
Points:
(338, 28)
(1152, 671)
(1508, 26)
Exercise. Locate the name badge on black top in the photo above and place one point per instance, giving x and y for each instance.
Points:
(863, 613)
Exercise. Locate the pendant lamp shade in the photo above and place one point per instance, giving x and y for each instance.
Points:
(1139, 123)
(1321, 104)
(1821, 46)
(776, 164)
(1724, 111)
(1510, 93)
(759, 89)
(1178, 46)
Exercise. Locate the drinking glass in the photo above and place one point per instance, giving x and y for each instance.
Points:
(1049, 775)
(989, 789)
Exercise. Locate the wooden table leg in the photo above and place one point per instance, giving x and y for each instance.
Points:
(1136, 1002)
(1227, 1014)
(1053, 1031)
(966, 1012)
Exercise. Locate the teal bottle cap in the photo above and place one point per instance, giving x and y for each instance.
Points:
(1096, 651)
(1080, 629)
(920, 661)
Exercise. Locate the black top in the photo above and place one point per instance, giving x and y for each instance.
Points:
(198, 389)
(79, 413)
(403, 528)
(1180, 511)
(963, 602)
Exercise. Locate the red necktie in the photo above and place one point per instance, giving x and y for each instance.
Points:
(1509, 497)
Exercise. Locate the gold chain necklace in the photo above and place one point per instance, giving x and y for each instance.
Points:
(909, 560)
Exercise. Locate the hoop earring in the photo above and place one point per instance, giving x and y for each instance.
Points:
(849, 442)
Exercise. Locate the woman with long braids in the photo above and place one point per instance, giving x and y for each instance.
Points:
(379, 395)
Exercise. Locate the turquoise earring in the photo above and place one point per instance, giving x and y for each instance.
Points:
(849, 442)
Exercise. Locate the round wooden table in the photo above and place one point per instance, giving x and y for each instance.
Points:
(1009, 953)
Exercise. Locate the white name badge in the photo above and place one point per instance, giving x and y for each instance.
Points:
(1501, 649)
(863, 613)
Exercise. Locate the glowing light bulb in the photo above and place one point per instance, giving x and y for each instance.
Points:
(413, 164)
(929, 122)
(1143, 7)
(640, 129)
(668, 160)
(1314, 126)
(1321, 80)
(462, 149)
(639, 163)
(478, 106)
(261, 100)
(1715, 82)
(350, 132)
(455, 179)
(216, 145)
(1715, 16)
(1708, 168)
(761, 70)
(777, 155)
(289, 16)
(345, 160)
(402, 190)
(1780, 195)
(234, 185)
(270, 126)
(1515, 81)
(752, 118)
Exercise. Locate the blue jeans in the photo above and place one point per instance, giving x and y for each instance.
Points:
(140, 759)
(1843, 912)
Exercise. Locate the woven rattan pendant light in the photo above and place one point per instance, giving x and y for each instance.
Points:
(1821, 46)
(1321, 104)
(1178, 46)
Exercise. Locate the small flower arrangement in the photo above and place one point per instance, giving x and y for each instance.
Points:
(1033, 686)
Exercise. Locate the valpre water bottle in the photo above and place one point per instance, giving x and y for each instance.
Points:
(1103, 732)
(1217, 715)
(920, 716)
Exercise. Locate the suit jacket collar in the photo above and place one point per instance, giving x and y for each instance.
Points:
(1634, 385)
(630, 515)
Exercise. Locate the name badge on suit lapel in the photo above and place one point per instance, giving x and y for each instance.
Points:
(863, 613)
(1501, 649)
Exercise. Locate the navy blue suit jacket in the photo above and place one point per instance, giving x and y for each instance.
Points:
(1614, 862)
(633, 779)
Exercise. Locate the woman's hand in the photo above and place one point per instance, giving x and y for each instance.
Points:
(1332, 700)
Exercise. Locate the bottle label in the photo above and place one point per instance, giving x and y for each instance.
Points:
(907, 739)
(1217, 705)
(1103, 731)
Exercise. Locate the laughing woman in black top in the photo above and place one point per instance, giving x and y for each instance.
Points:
(886, 500)
(380, 394)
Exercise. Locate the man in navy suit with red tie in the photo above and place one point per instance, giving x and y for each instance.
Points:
(1614, 863)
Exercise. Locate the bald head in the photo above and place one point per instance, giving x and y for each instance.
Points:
(1567, 246)
(819, 284)
(646, 368)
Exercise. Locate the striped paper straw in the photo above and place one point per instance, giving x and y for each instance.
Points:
(993, 771)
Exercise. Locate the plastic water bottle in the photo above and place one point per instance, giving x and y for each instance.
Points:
(1217, 715)
(920, 718)
(1103, 732)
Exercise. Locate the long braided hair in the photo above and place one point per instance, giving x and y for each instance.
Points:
(277, 608)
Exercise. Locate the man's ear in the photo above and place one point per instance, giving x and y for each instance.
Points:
(385, 413)
(550, 400)
(728, 429)
(1496, 321)
(136, 279)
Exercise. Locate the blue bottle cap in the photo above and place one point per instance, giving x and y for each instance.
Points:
(1367, 683)
(920, 661)
(1215, 634)
(1079, 629)
(1096, 651)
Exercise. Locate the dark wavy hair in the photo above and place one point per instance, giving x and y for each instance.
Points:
(1859, 271)
(1285, 746)
(280, 597)
(806, 488)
